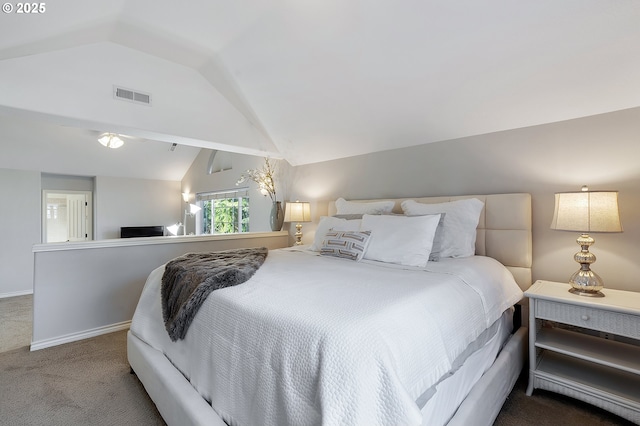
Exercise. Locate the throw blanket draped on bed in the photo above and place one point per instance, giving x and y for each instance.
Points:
(189, 279)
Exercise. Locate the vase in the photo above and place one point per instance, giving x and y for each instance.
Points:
(277, 216)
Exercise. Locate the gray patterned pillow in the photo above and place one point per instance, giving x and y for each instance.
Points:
(346, 244)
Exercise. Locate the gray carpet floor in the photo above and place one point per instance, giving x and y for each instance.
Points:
(551, 409)
(80, 383)
(15, 322)
(89, 383)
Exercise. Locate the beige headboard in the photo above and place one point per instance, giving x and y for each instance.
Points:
(504, 229)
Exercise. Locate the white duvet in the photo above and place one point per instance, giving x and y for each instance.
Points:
(312, 340)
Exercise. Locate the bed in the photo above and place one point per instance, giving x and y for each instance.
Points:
(265, 364)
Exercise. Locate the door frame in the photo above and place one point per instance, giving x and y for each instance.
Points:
(89, 198)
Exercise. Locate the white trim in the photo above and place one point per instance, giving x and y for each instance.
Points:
(16, 293)
(73, 337)
(143, 241)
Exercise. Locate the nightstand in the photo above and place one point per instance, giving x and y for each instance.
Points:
(586, 348)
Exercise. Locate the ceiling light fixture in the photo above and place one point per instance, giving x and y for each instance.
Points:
(110, 140)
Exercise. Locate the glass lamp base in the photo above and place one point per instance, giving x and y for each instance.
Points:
(586, 293)
(586, 283)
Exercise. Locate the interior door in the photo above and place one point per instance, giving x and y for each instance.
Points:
(77, 215)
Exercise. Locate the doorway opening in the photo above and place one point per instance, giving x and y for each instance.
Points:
(66, 216)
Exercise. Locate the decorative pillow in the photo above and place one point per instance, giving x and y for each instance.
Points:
(375, 207)
(400, 239)
(346, 244)
(330, 222)
(459, 227)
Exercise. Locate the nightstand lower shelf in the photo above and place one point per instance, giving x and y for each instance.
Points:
(608, 388)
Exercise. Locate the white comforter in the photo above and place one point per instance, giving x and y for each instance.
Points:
(314, 340)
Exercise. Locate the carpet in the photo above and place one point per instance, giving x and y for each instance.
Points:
(545, 408)
(80, 383)
(15, 322)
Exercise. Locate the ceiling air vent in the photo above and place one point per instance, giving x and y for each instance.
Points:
(131, 95)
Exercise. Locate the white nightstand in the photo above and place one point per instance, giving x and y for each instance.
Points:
(592, 352)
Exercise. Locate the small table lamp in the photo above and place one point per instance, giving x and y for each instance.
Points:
(300, 211)
(586, 211)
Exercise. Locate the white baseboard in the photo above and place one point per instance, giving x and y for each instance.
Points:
(68, 338)
(16, 293)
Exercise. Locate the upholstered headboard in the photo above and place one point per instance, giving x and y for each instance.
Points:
(504, 229)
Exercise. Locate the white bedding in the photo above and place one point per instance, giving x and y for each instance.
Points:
(317, 340)
(454, 388)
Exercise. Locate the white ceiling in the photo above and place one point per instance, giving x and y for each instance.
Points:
(334, 78)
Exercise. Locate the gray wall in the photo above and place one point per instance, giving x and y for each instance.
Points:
(20, 221)
(55, 182)
(601, 151)
(134, 202)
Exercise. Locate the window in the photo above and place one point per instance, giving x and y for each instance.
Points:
(223, 212)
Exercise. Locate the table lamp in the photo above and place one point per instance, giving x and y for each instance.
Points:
(585, 212)
(298, 211)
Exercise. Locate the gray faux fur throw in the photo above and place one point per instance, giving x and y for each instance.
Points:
(190, 278)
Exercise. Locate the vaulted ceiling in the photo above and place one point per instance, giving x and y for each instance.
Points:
(306, 81)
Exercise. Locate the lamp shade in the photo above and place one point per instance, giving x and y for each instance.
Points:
(587, 211)
(173, 229)
(299, 211)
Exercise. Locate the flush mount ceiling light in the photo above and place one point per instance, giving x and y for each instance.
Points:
(110, 140)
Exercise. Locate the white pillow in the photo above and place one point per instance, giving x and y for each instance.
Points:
(437, 240)
(375, 207)
(337, 224)
(459, 227)
(400, 239)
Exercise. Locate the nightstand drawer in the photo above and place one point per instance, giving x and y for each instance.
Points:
(591, 318)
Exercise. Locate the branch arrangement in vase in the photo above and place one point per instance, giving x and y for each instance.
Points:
(263, 177)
